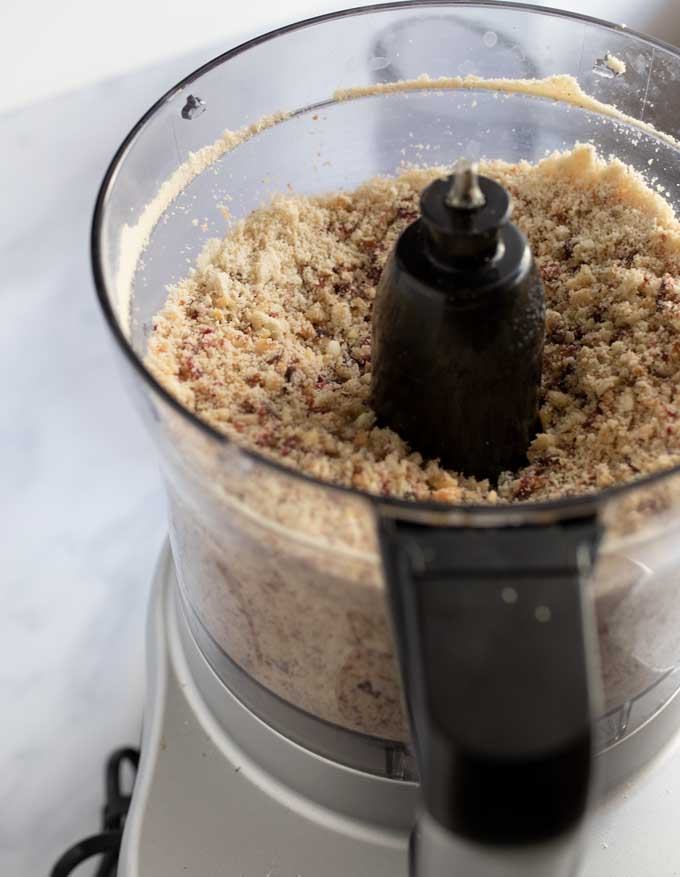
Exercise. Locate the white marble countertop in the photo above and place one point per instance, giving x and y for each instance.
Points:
(75, 43)
(81, 503)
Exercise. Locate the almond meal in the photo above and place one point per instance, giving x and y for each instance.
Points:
(269, 339)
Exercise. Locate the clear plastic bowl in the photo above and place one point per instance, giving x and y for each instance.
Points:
(281, 575)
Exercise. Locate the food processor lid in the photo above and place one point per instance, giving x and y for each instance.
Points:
(543, 511)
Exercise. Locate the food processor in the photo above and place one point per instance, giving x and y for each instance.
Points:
(347, 684)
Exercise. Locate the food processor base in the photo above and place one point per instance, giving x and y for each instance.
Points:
(206, 806)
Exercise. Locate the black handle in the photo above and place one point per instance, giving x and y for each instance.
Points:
(493, 631)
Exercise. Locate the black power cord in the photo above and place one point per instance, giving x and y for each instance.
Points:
(107, 843)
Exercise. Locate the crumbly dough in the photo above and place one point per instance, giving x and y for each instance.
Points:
(135, 238)
(269, 339)
(616, 65)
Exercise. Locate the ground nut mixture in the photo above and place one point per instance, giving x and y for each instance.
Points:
(269, 340)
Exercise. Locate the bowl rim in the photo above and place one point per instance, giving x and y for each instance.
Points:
(579, 505)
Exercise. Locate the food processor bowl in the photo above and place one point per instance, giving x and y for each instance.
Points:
(288, 583)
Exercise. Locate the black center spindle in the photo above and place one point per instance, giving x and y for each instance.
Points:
(458, 330)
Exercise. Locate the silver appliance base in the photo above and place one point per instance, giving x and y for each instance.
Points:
(250, 803)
